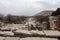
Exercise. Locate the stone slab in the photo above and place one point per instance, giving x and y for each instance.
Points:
(36, 32)
(38, 38)
(52, 33)
(12, 38)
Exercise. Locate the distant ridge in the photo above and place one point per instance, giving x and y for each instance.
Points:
(44, 13)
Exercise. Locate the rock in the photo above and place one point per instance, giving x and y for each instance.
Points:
(6, 33)
(5, 29)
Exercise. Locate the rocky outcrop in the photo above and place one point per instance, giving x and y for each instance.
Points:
(56, 13)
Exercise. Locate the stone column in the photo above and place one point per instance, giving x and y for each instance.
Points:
(52, 20)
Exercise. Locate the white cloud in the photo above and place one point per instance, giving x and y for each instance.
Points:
(24, 7)
(20, 6)
(52, 2)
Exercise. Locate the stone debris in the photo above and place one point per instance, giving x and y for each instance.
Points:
(51, 33)
(8, 31)
(27, 29)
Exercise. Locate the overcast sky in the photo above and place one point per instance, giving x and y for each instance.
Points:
(27, 7)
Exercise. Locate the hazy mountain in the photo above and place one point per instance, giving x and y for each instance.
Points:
(44, 13)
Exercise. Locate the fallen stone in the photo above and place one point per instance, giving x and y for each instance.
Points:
(5, 29)
(52, 33)
(35, 32)
(6, 33)
(22, 32)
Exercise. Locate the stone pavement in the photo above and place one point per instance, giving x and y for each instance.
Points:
(27, 38)
(38, 38)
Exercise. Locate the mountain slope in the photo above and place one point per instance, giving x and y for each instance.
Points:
(44, 13)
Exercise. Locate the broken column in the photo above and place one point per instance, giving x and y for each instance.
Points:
(52, 20)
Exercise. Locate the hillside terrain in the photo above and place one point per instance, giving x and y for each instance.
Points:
(44, 13)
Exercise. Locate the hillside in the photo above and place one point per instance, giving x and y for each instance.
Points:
(44, 13)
